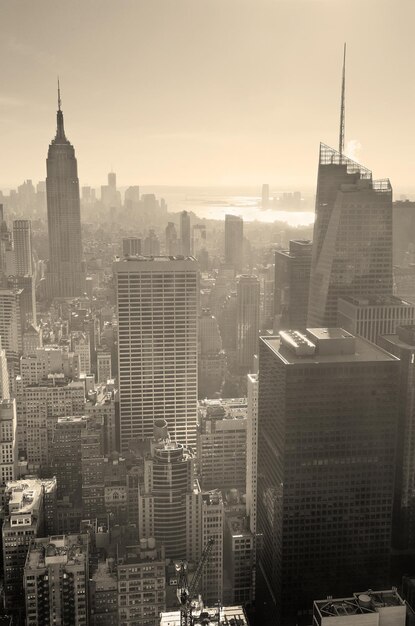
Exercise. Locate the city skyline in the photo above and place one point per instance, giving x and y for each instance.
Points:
(157, 114)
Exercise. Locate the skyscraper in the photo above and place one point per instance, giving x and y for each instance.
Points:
(292, 284)
(352, 242)
(185, 232)
(234, 236)
(131, 246)
(247, 319)
(66, 276)
(157, 346)
(22, 240)
(327, 427)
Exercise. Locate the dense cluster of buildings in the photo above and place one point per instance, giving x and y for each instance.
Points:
(170, 394)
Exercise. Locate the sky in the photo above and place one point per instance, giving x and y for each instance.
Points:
(207, 92)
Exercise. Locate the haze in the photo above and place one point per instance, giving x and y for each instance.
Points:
(206, 92)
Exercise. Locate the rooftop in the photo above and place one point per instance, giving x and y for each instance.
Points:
(325, 345)
(57, 549)
(359, 604)
(139, 258)
(376, 301)
(223, 408)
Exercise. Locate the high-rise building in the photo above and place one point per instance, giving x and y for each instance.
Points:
(56, 576)
(8, 447)
(165, 497)
(172, 242)
(352, 241)
(234, 237)
(212, 521)
(247, 320)
(66, 275)
(185, 233)
(4, 375)
(22, 240)
(104, 372)
(373, 316)
(369, 607)
(131, 246)
(11, 322)
(221, 444)
(252, 451)
(327, 430)
(292, 285)
(151, 244)
(157, 346)
(141, 583)
(24, 520)
(401, 343)
(198, 239)
(81, 346)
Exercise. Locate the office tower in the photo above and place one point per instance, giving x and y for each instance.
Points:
(369, 607)
(234, 237)
(172, 242)
(198, 239)
(92, 469)
(27, 299)
(22, 240)
(103, 403)
(38, 408)
(221, 444)
(32, 339)
(56, 577)
(292, 285)
(239, 559)
(66, 275)
(4, 375)
(103, 366)
(265, 196)
(252, 451)
(169, 477)
(131, 246)
(66, 456)
(132, 198)
(327, 425)
(185, 233)
(401, 343)
(23, 522)
(103, 594)
(212, 359)
(266, 275)
(8, 448)
(157, 346)
(81, 346)
(22, 247)
(352, 241)
(11, 322)
(151, 244)
(212, 520)
(247, 321)
(110, 197)
(373, 316)
(141, 583)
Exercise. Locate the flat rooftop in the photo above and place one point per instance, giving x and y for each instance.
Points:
(363, 352)
(139, 258)
(223, 408)
(376, 301)
(360, 603)
(24, 495)
(57, 549)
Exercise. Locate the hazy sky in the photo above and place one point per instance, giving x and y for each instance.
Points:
(199, 92)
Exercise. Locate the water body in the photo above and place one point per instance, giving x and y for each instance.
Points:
(215, 204)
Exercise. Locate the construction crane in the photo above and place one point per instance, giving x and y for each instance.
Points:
(186, 592)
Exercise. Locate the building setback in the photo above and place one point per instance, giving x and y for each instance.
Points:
(327, 428)
(291, 285)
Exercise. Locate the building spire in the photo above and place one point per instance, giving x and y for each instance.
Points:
(59, 96)
(60, 131)
(342, 105)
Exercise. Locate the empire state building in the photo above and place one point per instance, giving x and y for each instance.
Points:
(66, 273)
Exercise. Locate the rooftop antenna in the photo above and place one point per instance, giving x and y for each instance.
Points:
(341, 135)
(59, 96)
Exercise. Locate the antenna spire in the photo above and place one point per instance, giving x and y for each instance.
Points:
(342, 105)
(59, 96)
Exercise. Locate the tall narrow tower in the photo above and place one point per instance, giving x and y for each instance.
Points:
(65, 277)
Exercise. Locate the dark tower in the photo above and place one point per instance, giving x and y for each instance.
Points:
(66, 275)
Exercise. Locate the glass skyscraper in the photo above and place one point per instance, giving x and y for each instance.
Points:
(352, 243)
